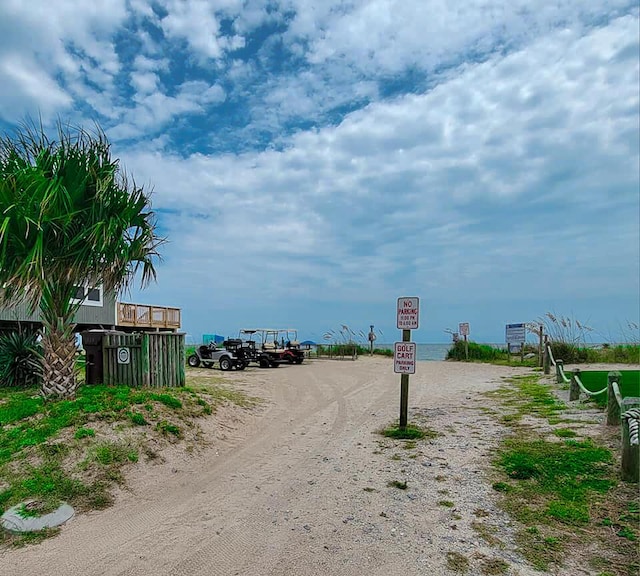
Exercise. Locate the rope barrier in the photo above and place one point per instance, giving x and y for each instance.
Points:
(588, 392)
(616, 393)
(633, 419)
(566, 380)
(553, 360)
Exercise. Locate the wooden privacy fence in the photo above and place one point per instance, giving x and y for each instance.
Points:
(148, 359)
(620, 411)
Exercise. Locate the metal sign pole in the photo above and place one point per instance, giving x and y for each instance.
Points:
(404, 388)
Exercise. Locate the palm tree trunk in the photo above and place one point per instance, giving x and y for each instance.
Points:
(59, 357)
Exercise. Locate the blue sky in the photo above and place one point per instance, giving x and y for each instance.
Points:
(313, 161)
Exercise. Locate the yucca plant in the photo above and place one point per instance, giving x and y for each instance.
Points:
(68, 217)
(20, 359)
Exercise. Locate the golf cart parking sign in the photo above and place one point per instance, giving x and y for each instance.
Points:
(404, 357)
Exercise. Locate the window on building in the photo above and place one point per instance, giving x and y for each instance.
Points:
(94, 295)
(88, 296)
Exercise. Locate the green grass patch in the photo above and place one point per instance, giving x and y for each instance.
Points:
(565, 474)
(456, 562)
(400, 485)
(559, 488)
(27, 538)
(108, 453)
(26, 421)
(168, 428)
(411, 432)
(446, 503)
(525, 395)
(540, 550)
(18, 406)
(138, 419)
(168, 400)
(487, 533)
(494, 567)
(84, 433)
(49, 451)
(565, 433)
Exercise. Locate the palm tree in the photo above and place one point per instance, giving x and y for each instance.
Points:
(69, 217)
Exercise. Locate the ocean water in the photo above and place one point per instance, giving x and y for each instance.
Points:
(424, 351)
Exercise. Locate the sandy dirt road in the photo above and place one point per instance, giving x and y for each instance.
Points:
(301, 486)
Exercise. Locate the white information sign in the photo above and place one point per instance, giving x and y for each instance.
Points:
(464, 329)
(124, 356)
(404, 357)
(516, 333)
(408, 313)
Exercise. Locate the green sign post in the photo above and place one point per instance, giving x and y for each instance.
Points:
(404, 353)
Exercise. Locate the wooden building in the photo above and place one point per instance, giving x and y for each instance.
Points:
(103, 311)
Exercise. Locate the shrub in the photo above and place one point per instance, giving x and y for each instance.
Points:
(20, 359)
(476, 352)
(569, 353)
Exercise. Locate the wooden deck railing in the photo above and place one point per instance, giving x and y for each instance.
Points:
(145, 316)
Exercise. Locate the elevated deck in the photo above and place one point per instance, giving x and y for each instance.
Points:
(146, 316)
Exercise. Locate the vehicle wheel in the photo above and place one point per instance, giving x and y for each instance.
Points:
(275, 364)
(193, 361)
(264, 362)
(225, 363)
(299, 361)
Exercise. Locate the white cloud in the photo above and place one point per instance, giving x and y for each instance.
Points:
(22, 79)
(471, 183)
(196, 22)
(154, 108)
(71, 38)
(389, 35)
(144, 82)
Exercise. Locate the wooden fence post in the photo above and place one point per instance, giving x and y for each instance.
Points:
(144, 353)
(630, 470)
(613, 408)
(574, 390)
(540, 347)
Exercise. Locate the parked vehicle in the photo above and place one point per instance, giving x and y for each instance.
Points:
(290, 350)
(208, 354)
(276, 345)
(293, 344)
(255, 352)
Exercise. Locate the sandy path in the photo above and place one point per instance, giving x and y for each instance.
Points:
(284, 492)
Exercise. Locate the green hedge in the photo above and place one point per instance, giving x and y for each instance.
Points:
(573, 354)
(476, 352)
